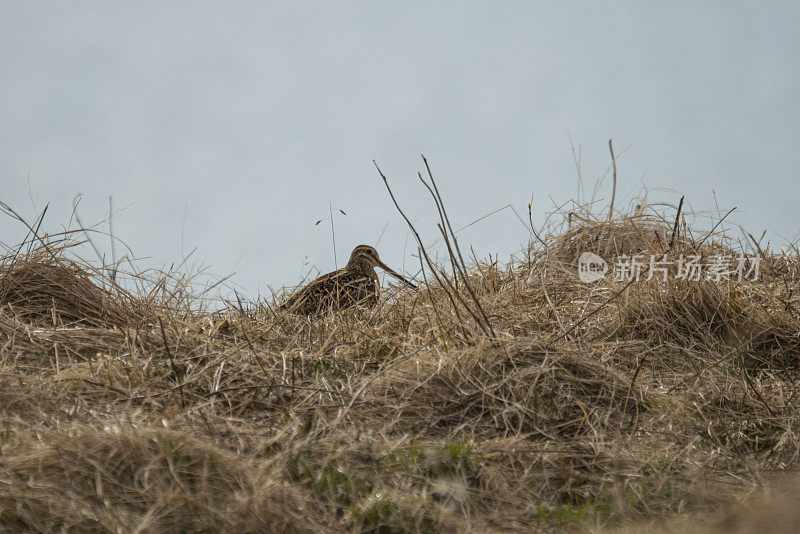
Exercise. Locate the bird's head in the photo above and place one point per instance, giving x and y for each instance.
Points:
(364, 256)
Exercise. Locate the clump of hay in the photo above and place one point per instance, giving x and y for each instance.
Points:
(44, 287)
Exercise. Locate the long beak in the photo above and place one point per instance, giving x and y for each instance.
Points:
(391, 272)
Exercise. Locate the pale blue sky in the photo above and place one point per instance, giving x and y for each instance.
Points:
(229, 126)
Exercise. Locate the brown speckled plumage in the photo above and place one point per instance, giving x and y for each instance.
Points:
(354, 285)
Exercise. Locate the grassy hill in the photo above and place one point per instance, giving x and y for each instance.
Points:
(508, 397)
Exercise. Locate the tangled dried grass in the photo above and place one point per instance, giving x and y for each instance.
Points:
(45, 287)
(542, 403)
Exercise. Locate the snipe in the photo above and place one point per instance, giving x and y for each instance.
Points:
(355, 284)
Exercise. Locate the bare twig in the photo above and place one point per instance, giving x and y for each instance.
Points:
(614, 189)
(333, 236)
(675, 226)
(714, 228)
(35, 231)
(458, 250)
(113, 243)
(5, 207)
(425, 253)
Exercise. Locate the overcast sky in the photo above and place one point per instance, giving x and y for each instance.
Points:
(230, 127)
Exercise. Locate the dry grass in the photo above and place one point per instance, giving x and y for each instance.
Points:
(587, 408)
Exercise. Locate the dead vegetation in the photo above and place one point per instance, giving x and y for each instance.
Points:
(495, 397)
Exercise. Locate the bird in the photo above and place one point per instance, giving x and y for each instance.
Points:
(353, 285)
